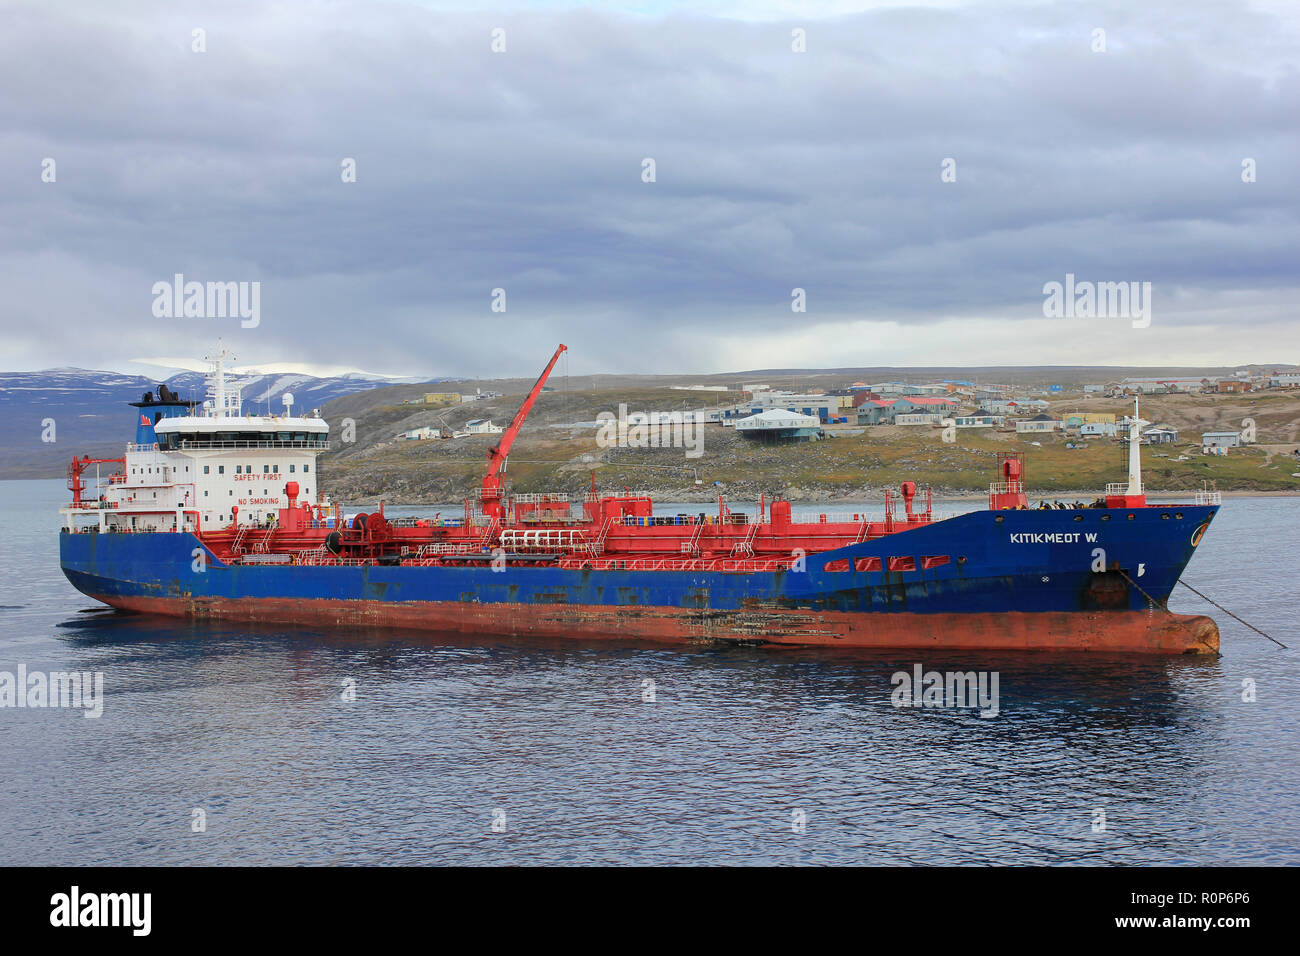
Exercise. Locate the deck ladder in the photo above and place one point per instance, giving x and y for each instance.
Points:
(747, 546)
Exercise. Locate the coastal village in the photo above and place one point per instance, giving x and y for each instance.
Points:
(807, 436)
(767, 414)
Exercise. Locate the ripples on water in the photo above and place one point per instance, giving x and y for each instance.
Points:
(251, 727)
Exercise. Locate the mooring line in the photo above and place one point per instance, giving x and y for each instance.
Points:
(1160, 604)
(1164, 607)
(1229, 613)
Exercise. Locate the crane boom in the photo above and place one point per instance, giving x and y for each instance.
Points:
(490, 495)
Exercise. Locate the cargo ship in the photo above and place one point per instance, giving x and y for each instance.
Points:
(214, 513)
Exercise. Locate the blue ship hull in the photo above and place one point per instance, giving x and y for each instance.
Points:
(1011, 579)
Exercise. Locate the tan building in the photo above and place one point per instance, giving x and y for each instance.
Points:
(442, 398)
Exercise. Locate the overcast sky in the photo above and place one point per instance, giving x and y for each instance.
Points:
(523, 170)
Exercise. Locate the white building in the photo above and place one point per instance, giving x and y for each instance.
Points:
(421, 434)
(1221, 440)
(979, 419)
(1099, 429)
(1038, 424)
(482, 426)
(1154, 385)
(779, 424)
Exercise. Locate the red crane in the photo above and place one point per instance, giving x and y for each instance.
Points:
(491, 493)
(75, 484)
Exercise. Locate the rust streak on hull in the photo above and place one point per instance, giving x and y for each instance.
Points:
(1109, 631)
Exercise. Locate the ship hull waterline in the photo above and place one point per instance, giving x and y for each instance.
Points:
(1148, 632)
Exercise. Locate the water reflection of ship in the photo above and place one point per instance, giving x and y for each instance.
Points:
(1099, 690)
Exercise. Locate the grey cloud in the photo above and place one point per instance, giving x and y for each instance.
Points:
(522, 171)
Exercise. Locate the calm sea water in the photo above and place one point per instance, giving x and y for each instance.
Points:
(554, 741)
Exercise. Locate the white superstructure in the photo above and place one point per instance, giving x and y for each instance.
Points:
(210, 467)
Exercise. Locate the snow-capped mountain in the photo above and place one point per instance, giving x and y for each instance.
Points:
(89, 413)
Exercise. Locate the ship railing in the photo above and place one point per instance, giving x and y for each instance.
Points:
(1117, 487)
(838, 517)
(1209, 498)
(330, 560)
(753, 564)
(675, 564)
(547, 516)
(141, 446)
(192, 445)
(538, 497)
(1007, 488)
(443, 547)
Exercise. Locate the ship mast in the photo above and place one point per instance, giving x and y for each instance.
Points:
(225, 396)
(1135, 452)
